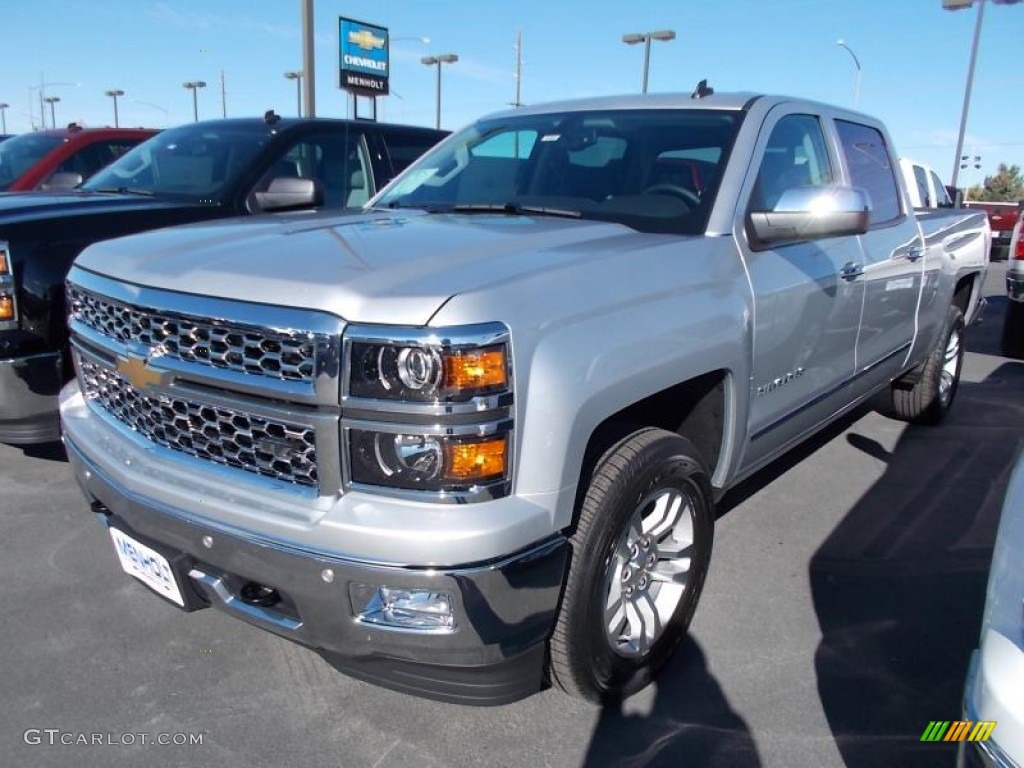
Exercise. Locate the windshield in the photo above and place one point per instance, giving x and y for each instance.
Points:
(652, 170)
(197, 161)
(19, 153)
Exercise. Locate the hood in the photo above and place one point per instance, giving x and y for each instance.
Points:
(28, 206)
(393, 268)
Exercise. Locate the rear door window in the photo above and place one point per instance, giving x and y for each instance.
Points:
(871, 168)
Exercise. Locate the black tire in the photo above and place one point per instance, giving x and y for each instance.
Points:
(633, 475)
(928, 398)
(1013, 330)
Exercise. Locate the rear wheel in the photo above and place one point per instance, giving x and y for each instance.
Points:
(640, 554)
(1013, 330)
(928, 399)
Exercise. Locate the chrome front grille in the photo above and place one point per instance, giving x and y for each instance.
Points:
(267, 446)
(229, 345)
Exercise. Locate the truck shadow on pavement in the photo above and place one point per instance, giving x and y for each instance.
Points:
(690, 723)
(899, 585)
(52, 451)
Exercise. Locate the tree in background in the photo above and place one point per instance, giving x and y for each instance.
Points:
(1006, 186)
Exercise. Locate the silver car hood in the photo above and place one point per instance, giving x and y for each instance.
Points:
(395, 268)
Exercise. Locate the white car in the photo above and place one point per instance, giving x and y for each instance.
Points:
(995, 682)
(1013, 322)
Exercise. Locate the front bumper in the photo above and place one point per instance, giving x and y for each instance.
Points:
(504, 611)
(28, 398)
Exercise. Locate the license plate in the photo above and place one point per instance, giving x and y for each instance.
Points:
(147, 565)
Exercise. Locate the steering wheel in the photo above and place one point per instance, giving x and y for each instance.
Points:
(674, 190)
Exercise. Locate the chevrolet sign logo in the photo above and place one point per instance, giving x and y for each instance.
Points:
(365, 39)
(138, 372)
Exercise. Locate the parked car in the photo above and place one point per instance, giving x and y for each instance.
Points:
(195, 172)
(62, 158)
(474, 435)
(1001, 217)
(924, 186)
(5, 136)
(995, 681)
(1013, 320)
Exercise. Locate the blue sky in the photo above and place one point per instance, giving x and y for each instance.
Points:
(914, 59)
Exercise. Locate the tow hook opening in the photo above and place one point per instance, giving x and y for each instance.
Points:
(261, 595)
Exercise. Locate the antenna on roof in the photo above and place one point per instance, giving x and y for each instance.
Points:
(702, 90)
(270, 117)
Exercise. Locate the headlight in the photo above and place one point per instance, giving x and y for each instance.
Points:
(427, 462)
(8, 307)
(425, 373)
(428, 409)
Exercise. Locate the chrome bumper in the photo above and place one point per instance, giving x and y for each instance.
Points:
(504, 611)
(28, 398)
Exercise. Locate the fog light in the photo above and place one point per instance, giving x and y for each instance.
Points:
(418, 610)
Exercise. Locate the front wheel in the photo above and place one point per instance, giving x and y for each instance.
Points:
(640, 554)
(928, 399)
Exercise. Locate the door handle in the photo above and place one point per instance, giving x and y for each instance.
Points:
(915, 252)
(851, 270)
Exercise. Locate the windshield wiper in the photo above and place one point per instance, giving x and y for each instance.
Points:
(515, 209)
(123, 191)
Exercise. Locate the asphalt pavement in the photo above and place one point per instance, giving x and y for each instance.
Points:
(844, 599)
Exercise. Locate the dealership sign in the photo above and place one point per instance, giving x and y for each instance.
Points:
(363, 58)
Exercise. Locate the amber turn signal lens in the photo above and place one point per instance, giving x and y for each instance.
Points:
(5, 265)
(6, 308)
(477, 369)
(477, 460)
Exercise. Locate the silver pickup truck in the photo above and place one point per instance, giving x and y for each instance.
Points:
(470, 439)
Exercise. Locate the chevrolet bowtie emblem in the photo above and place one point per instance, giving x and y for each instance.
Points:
(365, 39)
(138, 372)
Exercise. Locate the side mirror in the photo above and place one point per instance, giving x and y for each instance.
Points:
(809, 213)
(290, 194)
(59, 182)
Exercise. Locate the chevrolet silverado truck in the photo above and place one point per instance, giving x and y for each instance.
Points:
(196, 172)
(470, 439)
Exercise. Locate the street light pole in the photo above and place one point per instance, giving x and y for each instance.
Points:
(114, 93)
(308, 59)
(297, 77)
(3, 117)
(194, 86)
(444, 58)
(42, 94)
(856, 62)
(645, 38)
(51, 100)
(970, 84)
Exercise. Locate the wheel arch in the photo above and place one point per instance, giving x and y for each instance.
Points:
(698, 408)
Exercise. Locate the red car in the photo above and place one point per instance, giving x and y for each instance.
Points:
(1001, 217)
(33, 160)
